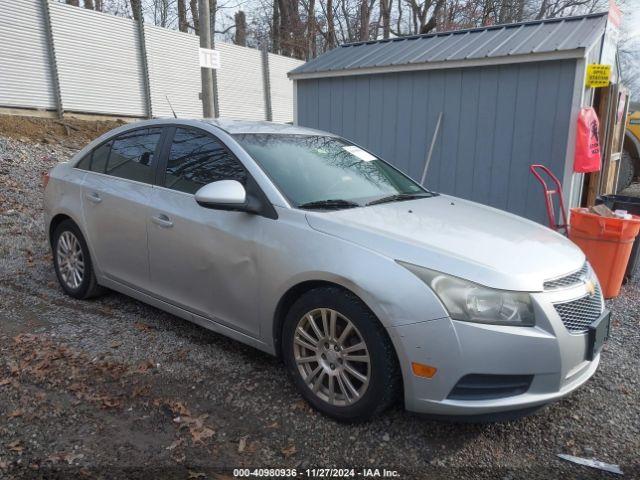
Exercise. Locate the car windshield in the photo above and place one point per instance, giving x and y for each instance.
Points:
(325, 172)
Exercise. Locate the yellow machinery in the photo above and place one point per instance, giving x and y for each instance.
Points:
(630, 159)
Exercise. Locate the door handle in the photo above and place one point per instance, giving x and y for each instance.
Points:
(162, 220)
(93, 197)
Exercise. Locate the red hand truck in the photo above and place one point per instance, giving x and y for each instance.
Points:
(548, 194)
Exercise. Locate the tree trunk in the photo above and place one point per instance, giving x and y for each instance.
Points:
(75, 3)
(331, 27)
(385, 13)
(88, 4)
(276, 28)
(433, 21)
(365, 19)
(240, 38)
(193, 5)
(183, 26)
(311, 30)
(135, 8)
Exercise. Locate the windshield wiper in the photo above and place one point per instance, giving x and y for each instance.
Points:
(330, 204)
(399, 197)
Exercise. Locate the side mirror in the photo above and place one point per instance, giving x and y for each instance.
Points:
(223, 195)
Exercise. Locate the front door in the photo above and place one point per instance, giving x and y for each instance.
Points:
(116, 194)
(203, 260)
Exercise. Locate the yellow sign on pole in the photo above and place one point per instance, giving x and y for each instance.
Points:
(598, 75)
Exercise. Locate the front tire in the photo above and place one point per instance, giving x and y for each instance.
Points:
(339, 355)
(72, 262)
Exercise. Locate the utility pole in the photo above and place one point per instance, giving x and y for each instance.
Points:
(207, 73)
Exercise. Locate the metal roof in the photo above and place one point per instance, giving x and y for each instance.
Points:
(567, 37)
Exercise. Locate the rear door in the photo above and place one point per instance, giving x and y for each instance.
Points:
(116, 195)
(201, 259)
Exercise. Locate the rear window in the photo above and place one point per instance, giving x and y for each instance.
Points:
(130, 155)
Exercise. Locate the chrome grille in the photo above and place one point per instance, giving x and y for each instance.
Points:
(578, 314)
(568, 280)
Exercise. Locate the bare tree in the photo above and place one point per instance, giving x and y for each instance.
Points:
(240, 37)
(193, 6)
(136, 8)
(183, 26)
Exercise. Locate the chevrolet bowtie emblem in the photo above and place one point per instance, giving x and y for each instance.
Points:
(591, 287)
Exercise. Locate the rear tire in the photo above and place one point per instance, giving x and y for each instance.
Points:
(72, 262)
(349, 371)
(626, 173)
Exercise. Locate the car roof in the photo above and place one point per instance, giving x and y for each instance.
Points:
(235, 126)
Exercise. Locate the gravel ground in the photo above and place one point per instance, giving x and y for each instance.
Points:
(113, 388)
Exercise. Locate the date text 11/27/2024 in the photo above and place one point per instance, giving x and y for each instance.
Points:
(316, 473)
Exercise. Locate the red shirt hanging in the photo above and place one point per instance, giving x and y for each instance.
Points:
(587, 156)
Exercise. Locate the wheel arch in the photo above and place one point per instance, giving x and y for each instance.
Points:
(55, 221)
(296, 291)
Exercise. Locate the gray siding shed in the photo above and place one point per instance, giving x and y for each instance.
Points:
(499, 117)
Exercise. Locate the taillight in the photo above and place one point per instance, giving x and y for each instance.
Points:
(45, 179)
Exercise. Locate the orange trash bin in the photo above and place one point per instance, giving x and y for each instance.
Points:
(607, 244)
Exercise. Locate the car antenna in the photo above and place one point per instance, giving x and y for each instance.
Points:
(171, 106)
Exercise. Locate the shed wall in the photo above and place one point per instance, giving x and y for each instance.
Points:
(497, 120)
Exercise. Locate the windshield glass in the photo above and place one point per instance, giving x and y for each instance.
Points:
(311, 169)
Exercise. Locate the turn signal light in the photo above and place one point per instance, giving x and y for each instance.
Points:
(45, 180)
(421, 370)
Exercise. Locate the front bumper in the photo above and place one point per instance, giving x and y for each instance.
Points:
(556, 358)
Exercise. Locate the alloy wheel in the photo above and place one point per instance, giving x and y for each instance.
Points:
(70, 259)
(332, 356)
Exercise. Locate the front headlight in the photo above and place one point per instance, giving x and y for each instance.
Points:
(471, 302)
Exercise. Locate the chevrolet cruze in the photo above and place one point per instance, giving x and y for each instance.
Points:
(306, 246)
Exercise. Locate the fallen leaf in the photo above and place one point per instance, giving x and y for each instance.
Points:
(273, 425)
(16, 413)
(68, 457)
(178, 458)
(141, 391)
(200, 434)
(145, 366)
(175, 444)
(3, 465)
(5, 381)
(242, 444)
(15, 446)
(300, 405)
(193, 474)
(287, 452)
(115, 344)
(143, 327)
(110, 402)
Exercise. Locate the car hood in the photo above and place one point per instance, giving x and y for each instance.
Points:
(458, 237)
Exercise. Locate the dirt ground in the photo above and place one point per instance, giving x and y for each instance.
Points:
(113, 388)
(70, 131)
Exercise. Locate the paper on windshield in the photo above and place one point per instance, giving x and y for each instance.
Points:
(358, 152)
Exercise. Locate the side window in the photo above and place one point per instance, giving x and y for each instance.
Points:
(99, 158)
(132, 155)
(85, 163)
(197, 158)
(96, 160)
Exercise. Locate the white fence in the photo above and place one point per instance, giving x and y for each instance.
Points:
(97, 61)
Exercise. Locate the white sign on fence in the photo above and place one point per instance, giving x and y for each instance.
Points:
(209, 58)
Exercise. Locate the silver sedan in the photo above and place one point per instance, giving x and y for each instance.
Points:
(306, 246)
